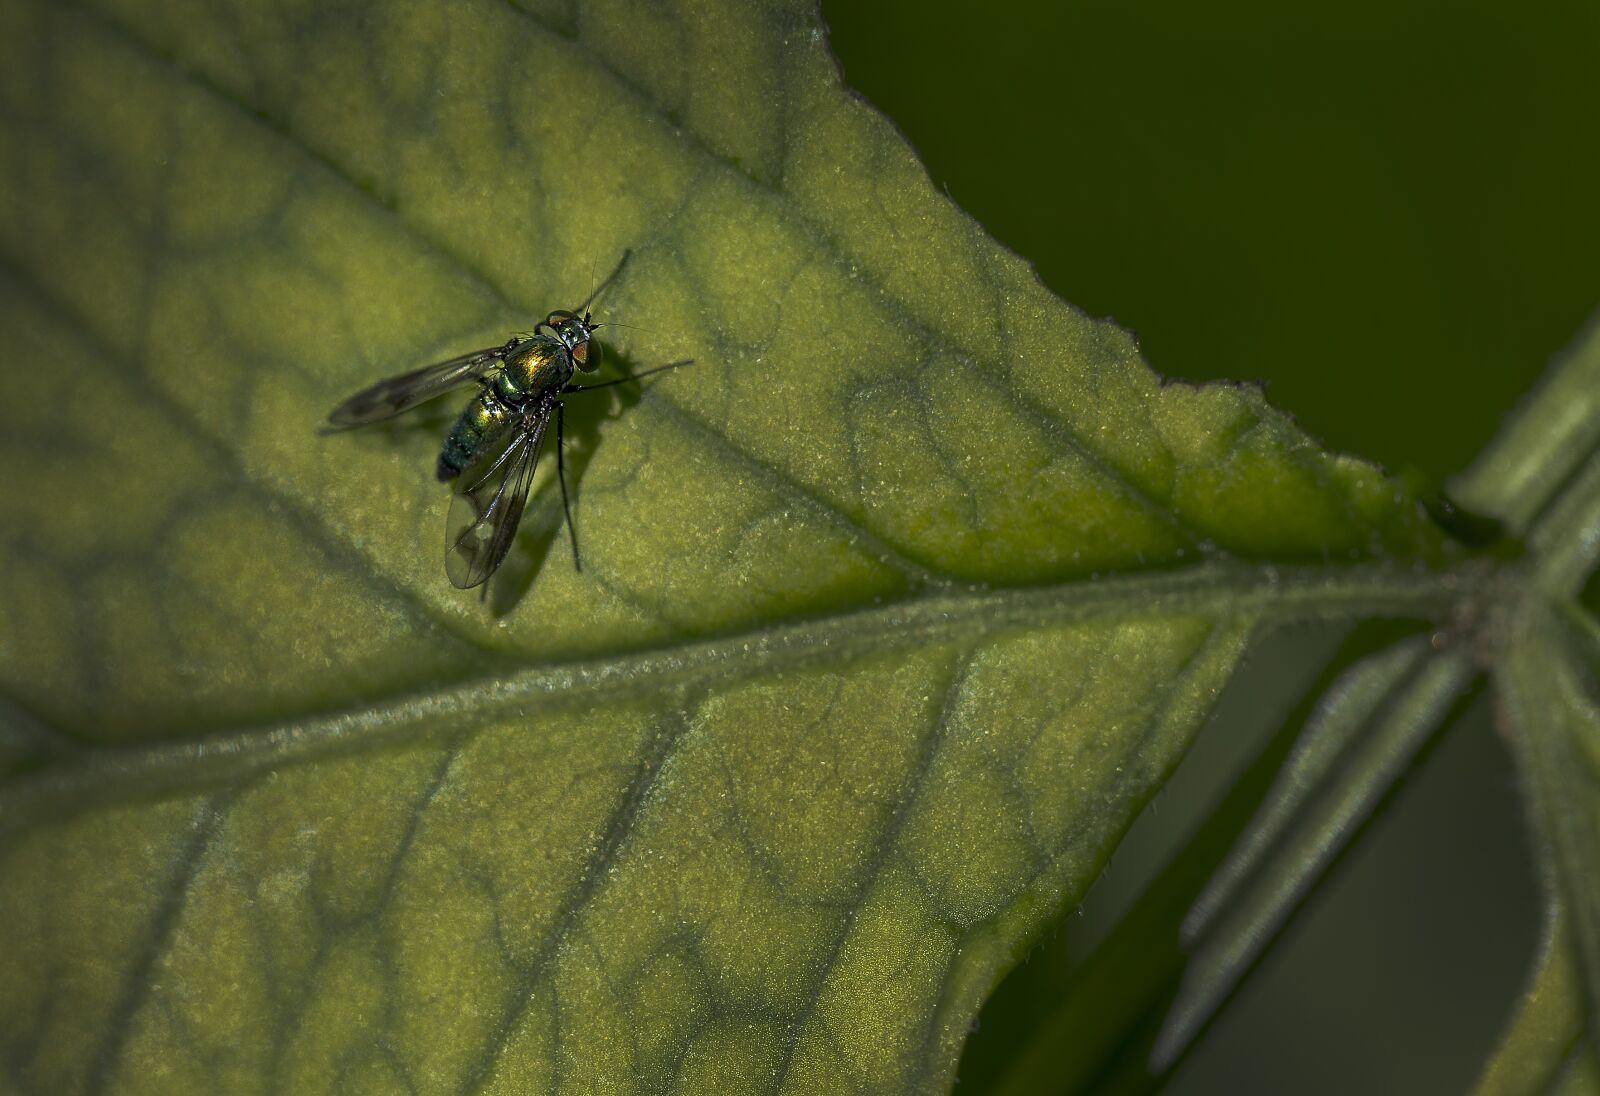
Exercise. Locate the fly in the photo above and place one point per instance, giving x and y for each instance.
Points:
(492, 450)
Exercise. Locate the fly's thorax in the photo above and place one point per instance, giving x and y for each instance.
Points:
(539, 365)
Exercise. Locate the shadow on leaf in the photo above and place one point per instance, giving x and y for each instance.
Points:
(542, 522)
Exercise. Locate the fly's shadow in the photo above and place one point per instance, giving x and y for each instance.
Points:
(542, 523)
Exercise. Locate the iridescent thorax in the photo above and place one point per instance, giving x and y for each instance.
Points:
(538, 364)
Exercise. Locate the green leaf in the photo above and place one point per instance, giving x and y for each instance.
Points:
(896, 606)
(1543, 1050)
(1066, 1022)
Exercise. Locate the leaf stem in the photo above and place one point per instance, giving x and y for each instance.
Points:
(1555, 431)
(1396, 715)
(1566, 537)
(1547, 706)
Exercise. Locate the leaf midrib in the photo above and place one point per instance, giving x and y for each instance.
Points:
(1260, 594)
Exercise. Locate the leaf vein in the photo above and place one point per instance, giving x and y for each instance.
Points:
(618, 827)
(138, 983)
(886, 847)
(305, 520)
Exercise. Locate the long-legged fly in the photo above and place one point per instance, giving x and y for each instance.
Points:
(493, 448)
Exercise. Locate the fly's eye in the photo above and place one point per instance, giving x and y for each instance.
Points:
(587, 355)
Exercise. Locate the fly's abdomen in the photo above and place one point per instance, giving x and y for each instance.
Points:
(482, 423)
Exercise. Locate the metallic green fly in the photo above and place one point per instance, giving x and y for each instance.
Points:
(493, 448)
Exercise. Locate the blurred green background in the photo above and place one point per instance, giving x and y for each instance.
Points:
(1386, 214)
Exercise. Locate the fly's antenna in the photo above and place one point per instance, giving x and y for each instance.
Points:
(603, 286)
(629, 326)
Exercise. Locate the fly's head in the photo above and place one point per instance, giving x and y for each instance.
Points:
(576, 333)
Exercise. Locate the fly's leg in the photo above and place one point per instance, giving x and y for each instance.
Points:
(561, 475)
(625, 380)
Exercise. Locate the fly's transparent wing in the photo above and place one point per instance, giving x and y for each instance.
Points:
(488, 502)
(390, 397)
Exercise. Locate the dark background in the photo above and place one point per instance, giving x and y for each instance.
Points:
(1386, 213)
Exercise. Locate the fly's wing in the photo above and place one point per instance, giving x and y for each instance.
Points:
(390, 397)
(488, 502)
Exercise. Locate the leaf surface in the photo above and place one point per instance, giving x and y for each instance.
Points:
(896, 606)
